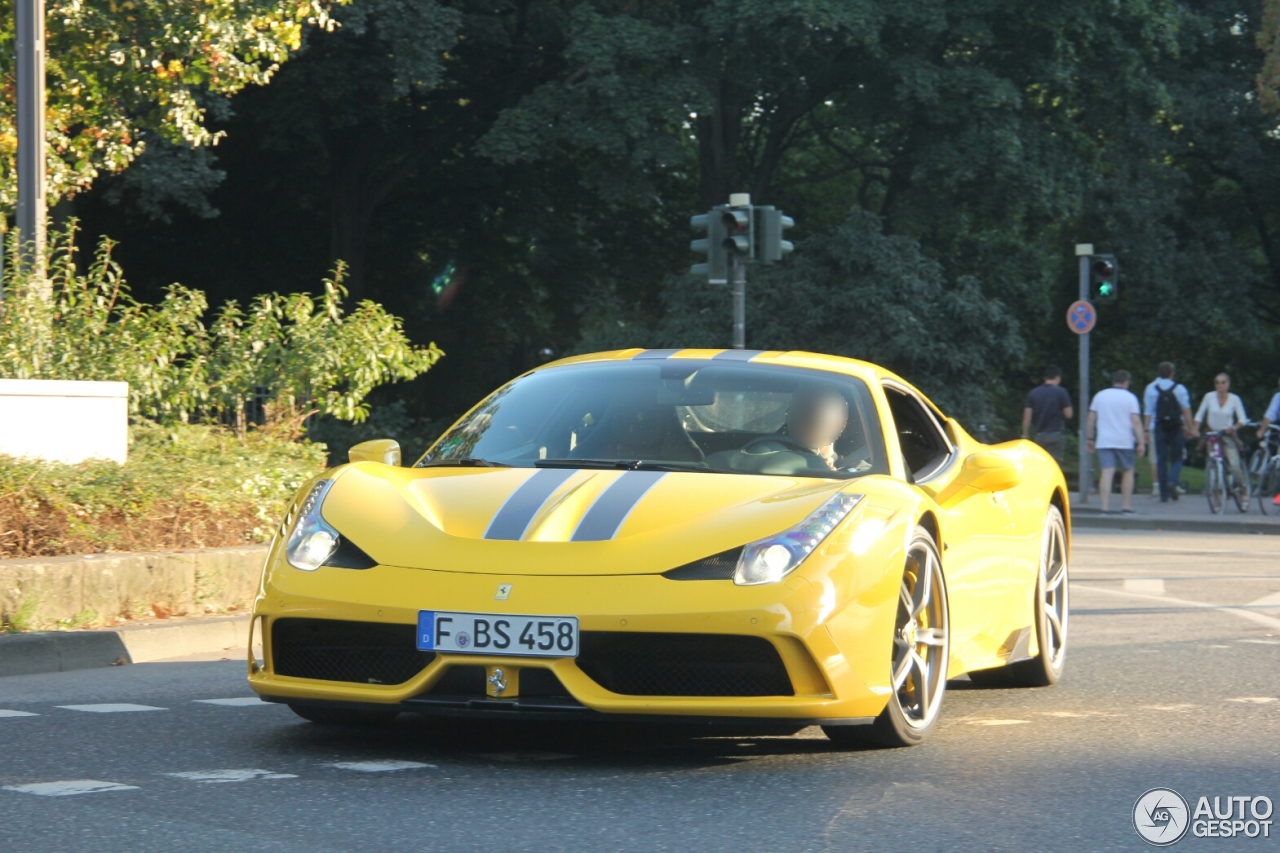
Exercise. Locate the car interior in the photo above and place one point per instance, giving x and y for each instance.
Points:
(925, 449)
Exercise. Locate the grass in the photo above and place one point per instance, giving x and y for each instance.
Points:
(183, 487)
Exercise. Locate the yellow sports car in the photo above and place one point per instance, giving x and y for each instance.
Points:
(755, 539)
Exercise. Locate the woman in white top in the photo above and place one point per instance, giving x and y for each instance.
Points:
(1222, 410)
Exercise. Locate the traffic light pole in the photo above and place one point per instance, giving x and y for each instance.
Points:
(739, 304)
(1085, 252)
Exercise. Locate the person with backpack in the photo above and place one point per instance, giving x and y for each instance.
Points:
(1167, 409)
(1222, 410)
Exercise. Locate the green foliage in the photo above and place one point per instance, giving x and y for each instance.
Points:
(184, 486)
(120, 68)
(295, 355)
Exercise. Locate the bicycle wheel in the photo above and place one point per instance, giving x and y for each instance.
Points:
(1215, 488)
(1268, 485)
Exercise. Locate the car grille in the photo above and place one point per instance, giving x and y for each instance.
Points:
(470, 681)
(717, 567)
(651, 664)
(332, 650)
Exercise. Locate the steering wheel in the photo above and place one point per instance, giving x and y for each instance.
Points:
(788, 442)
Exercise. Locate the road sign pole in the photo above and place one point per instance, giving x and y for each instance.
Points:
(31, 127)
(1083, 252)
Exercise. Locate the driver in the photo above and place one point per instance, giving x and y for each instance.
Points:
(815, 419)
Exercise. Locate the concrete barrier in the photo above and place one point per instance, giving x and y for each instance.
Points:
(47, 419)
(45, 592)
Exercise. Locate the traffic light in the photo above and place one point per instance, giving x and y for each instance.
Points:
(770, 224)
(1104, 278)
(716, 268)
(739, 237)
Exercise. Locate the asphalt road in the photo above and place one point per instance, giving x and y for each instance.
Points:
(1173, 680)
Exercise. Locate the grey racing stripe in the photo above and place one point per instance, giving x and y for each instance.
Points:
(513, 517)
(736, 355)
(654, 353)
(611, 509)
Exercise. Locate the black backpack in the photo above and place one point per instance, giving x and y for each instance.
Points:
(1168, 409)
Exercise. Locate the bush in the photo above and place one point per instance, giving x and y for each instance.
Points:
(184, 486)
(276, 361)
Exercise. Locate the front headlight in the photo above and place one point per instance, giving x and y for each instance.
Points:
(770, 560)
(313, 539)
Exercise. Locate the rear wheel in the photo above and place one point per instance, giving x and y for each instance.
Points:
(1215, 490)
(918, 668)
(342, 716)
(1051, 611)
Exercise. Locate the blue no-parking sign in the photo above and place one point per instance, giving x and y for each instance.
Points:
(1081, 316)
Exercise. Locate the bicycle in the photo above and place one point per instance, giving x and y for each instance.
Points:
(1264, 465)
(1219, 479)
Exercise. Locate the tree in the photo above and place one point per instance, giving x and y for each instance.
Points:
(120, 70)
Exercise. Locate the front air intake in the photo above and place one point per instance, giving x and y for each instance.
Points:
(649, 664)
(334, 650)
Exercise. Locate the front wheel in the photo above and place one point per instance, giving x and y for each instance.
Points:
(1268, 485)
(1215, 489)
(921, 646)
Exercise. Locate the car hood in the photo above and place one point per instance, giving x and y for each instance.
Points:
(551, 521)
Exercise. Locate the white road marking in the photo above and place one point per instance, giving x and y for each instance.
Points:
(237, 702)
(1151, 586)
(1263, 642)
(1217, 647)
(996, 722)
(1272, 600)
(6, 713)
(229, 775)
(381, 766)
(109, 708)
(1075, 715)
(1254, 700)
(1179, 707)
(1269, 621)
(69, 788)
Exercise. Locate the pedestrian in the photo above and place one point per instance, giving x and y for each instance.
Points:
(1048, 408)
(1223, 411)
(1115, 428)
(1168, 424)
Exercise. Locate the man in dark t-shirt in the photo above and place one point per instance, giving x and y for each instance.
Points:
(1048, 407)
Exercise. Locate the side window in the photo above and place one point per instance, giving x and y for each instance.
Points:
(925, 449)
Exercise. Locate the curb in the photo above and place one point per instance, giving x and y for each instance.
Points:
(61, 651)
(1083, 520)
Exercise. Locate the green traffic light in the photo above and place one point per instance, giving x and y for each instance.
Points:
(1105, 289)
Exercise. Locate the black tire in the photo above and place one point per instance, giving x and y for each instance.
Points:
(918, 667)
(1268, 484)
(342, 716)
(1052, 598)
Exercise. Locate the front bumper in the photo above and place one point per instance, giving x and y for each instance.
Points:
(835, 658)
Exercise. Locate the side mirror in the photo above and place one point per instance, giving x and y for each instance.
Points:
(384, 450)
(990, 471)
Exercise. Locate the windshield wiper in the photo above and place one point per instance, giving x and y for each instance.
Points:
(464, 462)
(624, 465)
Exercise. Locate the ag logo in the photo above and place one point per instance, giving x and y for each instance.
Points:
(1161, 816)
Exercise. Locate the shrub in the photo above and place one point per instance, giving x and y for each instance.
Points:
(284, 356)
(185, 486)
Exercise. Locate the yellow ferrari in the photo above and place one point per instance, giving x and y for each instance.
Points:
(752, 539)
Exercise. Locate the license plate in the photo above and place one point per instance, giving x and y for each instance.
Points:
(498, 634)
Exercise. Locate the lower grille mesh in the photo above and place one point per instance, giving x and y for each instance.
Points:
(651, 664)
(333, 650)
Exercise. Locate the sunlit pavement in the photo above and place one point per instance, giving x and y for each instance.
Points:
(1173, 680)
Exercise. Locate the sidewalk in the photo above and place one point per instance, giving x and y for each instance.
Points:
(1190, 514)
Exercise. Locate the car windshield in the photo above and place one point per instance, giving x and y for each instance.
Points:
(674, 415)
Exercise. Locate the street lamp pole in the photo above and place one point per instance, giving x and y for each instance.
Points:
(31, 145)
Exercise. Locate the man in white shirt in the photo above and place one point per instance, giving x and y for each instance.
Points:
(1115, 429)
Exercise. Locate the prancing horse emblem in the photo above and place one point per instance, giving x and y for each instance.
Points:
(499, 682)
(504, 591)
